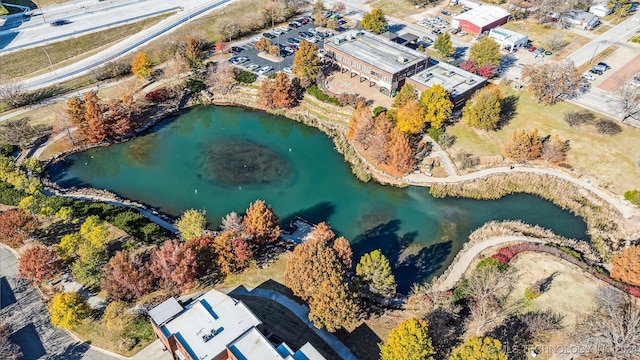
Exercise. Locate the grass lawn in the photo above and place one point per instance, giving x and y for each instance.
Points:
(610, 158)
(24, 62)
(538, 34)
(394, 8)
(254, 277)
(93, 331)
(599, 57)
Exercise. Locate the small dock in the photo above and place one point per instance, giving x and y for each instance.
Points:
(301, 230)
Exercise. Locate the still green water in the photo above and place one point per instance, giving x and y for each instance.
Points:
(222, 158)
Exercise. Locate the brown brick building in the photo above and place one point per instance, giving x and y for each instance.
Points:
(381, 62)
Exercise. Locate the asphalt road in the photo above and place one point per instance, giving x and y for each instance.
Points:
(84, 17)
(125, 46)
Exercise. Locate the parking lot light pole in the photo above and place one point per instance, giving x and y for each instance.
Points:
(596, 50)
(51, 64)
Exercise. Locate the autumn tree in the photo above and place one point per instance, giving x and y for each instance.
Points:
(68, 310)
(375, 276)
(523, 146)
(408, 341)
(374, 21)
(193, 53)
(8, 349)
(410, 117)
(191, 224)
(611, 330)
(552, 81)
(141, 66)
(116, 317)
(470, 66)
(261, 223)
(361, 125)
(484, 109)
(625, 266)
(554, 150)
(96, 127)
(487, 70)
(127, 276)
(437, 105)
(175, 264)
(315, 273)
(407, 93)
(344, 253)
(265, 94)
(306, 62)
(443, 45)
(76, 110)
(87, 269)
(485, 51)
(233, 252)
(379, 144)
(204, 249)
(283, 92)
(401, 155)
(15, 227)
(486, 348)
(38, 263)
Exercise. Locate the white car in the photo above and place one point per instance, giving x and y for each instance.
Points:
(462, 33)
(253, 67)
(265, 69)
(277, 31)
(313, 31)
(635, 81)
(588, 76)
(288, 69)
(285, 29)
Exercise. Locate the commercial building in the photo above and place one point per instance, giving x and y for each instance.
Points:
(582, 19)
(216, 326)
(481, 19)
(459, 83)
(508, 40)
(600, 8)
(381, 62)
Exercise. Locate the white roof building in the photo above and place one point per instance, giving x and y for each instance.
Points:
(508, 40)
(217, 326)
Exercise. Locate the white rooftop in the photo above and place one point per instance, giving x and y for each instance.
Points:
(455, 80)
(165, 311)
(503, 34)
(483, 15)
(213, 313)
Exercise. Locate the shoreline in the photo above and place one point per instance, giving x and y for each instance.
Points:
(364, 171)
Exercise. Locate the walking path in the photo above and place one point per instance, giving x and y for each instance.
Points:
(301, 312)
(628, 211)
(459, 267)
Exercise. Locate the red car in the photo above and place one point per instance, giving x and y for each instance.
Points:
(531, 48)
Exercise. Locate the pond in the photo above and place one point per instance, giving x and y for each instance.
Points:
(222, 158)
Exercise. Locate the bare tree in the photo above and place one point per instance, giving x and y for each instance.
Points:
(552, 82)
(221, 78)
(554, 150)
(229, 28)
(175, 67)
(11, 92)
(627, 99)
(20, 132)
(8, 348)
(488, 289)
(555, 41)
(612, 329)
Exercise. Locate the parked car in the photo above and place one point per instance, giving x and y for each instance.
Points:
(428, 39)
(294, 24)
(264, 70)
(303, 21)
(596, 71)
(305, 35)
(538, 52)
(478, 37)
(253, 67)
(236, 49)
(285, 29)
(269, 35)
(342, 22)
(436, 32)
(288, 69)
(462, 33)
(635, 81)
(588, 76)
(531, 48)
(445, 13)
(293, 40)
(455, 30)
(604, 66)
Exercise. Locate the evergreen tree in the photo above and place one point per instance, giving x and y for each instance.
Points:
(374, 272)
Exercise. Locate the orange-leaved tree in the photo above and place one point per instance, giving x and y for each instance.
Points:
(523, 146)
(625, 266)
(261, 223)
(38, 263)
(141, 66)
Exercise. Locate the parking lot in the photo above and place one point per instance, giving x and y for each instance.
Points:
(251, 60)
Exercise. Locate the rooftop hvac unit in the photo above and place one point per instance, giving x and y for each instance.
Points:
(402, 60)
(349, 37)
(338, 40)
(208, 336)
(427, 76)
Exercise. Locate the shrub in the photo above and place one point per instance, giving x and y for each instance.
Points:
(582, 117)
(466, 160)
(461, 290)
(446, 140)
(322, 96)
(246, 77)
(195, 85)
(608, 127)
(6, 149)
(504, 255)
(492, 262)
(530, 294)
(435, 133)
(379, 110)
(351, 99)
(9, 195)
(158, 96)
(114, 69)
(633, 196)
(571, 252)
